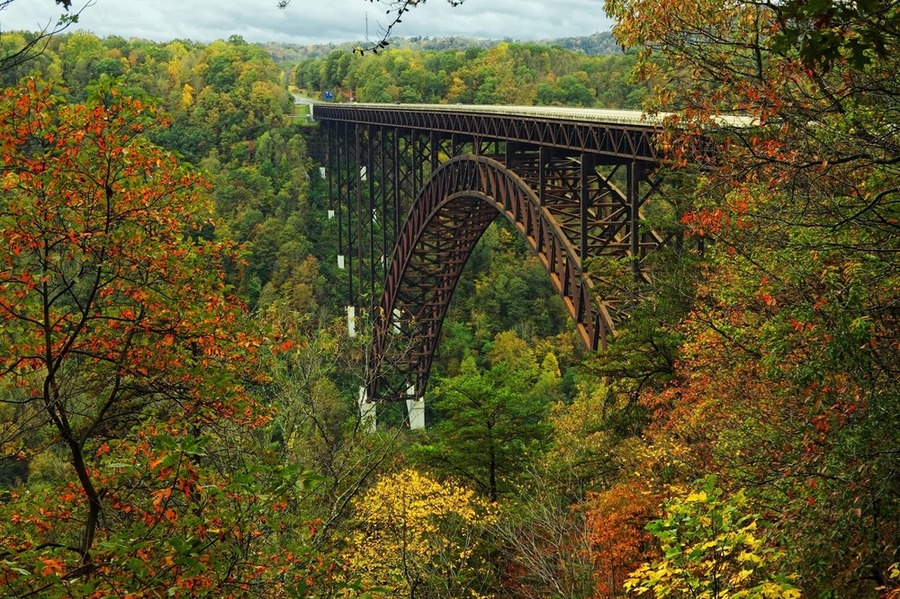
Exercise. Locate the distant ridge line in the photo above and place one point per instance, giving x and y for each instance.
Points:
(597, 44)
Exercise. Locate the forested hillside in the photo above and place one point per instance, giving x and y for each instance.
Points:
(596, 44)
(178, 393)
(508, 73)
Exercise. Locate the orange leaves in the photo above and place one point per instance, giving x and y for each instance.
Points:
(285, 345)
(186, 486)
(52, 566)
(161, 495)
(104, 325)
(767, 299)
(619, 543)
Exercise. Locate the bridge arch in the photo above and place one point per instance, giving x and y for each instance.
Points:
(450, 214)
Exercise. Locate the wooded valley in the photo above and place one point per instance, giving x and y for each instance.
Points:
(178, 390)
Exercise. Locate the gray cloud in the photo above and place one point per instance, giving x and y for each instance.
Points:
(317, 21)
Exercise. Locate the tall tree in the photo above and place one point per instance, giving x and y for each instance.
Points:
(421, 537)
(121, 349)
(490, 422)
(787, 381)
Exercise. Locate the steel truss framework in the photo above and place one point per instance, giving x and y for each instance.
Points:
(413, 194)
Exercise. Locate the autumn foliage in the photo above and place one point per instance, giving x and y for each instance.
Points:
(617, 521)
(784, 386)
(122, 352)
(738, 437)
(421, 537)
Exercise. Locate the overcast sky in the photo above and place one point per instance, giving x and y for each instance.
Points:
(316, 21)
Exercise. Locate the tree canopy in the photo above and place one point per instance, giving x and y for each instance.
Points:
(178, 390)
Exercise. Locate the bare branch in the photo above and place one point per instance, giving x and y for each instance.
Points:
(395, 12)
(36, 46)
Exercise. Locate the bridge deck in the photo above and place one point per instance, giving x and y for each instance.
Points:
(632, 118)
(616, 134)
(619, 134)
(586, 115)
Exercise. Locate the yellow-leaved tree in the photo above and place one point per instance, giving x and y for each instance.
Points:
(420, 537)
(711, 547)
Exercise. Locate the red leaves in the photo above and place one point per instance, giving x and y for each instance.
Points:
(706, 222)
(98, 284)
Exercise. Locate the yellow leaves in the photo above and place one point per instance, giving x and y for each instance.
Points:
(10, 179)
(413, 496)
(700, 496)
(746, 556)
(771, 590)
(414, 528)
(709, 550)
(740, 576)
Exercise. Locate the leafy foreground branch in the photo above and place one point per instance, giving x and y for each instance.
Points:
(123, 356)
(785, 384)
(36, 44)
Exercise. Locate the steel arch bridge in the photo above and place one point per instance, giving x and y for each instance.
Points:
(415, 186)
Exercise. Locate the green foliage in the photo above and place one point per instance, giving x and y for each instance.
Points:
(230, 114)
(490, 422)
(825, 32)
(316, 424)
(503, 288)
(507, 73)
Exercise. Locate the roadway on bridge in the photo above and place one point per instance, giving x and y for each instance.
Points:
(631, 118)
